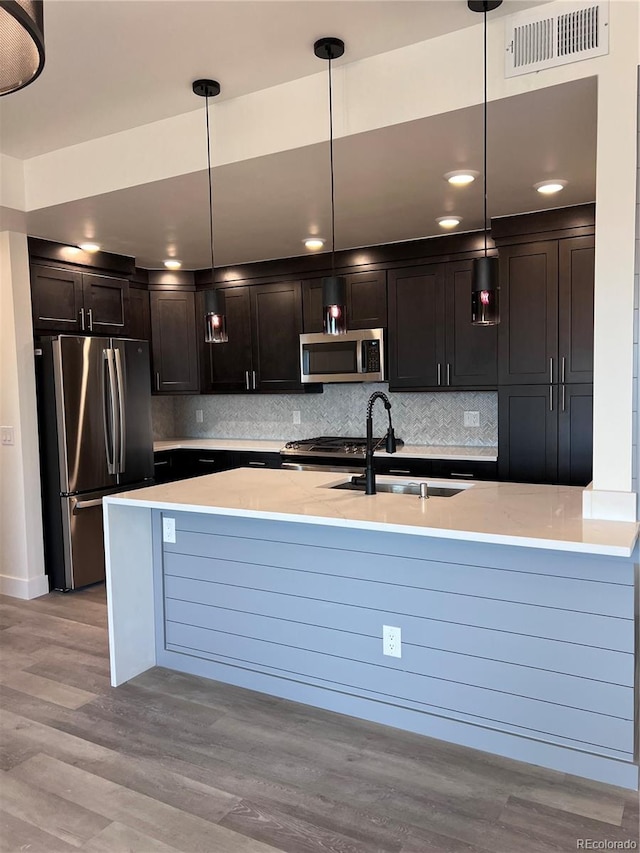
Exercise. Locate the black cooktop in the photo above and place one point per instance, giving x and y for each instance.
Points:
(328, 445)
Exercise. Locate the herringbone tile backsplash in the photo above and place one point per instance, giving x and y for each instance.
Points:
(424, 418)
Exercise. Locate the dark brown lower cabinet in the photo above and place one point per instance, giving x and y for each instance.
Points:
(575, 434)
(545, 433)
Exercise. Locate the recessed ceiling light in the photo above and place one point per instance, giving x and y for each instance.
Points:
(173, 264)
(449, 221)
(461, 179)
(314, 243)
(550, 187)
(89, 247)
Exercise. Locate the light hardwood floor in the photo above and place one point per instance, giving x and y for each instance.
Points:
(170, 762)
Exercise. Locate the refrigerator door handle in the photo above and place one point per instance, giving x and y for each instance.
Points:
(79, 505)
(109, 412)
(122, 420)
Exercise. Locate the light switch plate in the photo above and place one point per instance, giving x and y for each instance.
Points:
(7, 435)
(472, 419)
(199, 416)
(296, 417)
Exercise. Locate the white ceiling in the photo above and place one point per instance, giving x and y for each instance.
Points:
(116, 64)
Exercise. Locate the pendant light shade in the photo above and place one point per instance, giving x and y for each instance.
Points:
(484, 292)
(21, 43)
(334, 299)
(334, 287)
(485, 289)
(215, 320)
(215, 317)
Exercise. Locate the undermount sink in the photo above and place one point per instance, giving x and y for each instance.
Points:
(403, 487)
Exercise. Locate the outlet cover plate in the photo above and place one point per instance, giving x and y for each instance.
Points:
(472, 419)
(169, 530)
(391, 641)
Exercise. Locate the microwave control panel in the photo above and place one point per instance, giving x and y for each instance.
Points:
(371, 356)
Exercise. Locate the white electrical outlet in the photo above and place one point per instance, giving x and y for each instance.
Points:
(296, 417)
(472, 419)
(169, 530)
(199, 416)
(7, 435)
(391, 641)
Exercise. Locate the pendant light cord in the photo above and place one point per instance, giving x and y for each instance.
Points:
(210, 190)
(333, 215)
(485, 129)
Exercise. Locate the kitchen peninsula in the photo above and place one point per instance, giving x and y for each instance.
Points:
(517, 617)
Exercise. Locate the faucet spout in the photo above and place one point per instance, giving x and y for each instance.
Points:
(389, 439)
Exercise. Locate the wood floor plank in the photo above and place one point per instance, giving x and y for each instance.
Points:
(45, 688)
(574, 799)
(144, 814)
(18, 835)
(290, 834)
(118, 838)
(48, 812)
(85, 678)
(533, 826)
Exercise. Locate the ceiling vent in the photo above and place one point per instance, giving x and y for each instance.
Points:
(534, 41)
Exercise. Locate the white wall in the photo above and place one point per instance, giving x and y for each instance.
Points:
(21, 549)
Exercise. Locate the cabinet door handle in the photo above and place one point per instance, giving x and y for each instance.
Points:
(448, 374)
(208, 461)
(157, 380)
(253, 376)
(563, 397)
(551, 370)
(550, 398)
(258, 464)
(562, 370)
(458, 474)
(82, 319)
(398, 471)
(439, 372)
(163, 462)
(90, 318)
(246, 380)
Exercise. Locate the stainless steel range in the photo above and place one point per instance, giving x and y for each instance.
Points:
(330, 448)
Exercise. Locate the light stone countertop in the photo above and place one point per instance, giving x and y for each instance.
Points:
(453, 454)
(525, 515)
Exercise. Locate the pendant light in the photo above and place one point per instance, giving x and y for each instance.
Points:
(485, 309)
(334, 287)
(21, 43)
(214, 300)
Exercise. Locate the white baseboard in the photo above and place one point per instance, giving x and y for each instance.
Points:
(25, 588)
(609, 506)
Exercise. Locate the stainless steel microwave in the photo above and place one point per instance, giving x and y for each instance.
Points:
(351, 357)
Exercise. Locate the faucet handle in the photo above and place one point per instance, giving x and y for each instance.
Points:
(391, 446)
(424, 491)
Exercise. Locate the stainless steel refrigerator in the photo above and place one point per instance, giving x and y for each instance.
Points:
(94, 414)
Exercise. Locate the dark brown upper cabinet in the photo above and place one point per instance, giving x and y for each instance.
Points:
(139, 314)
(227, 367)
(546, 308)
(431, 341)
(415, 341)
(72, 301)
(56, 299)
(106, 304)
(366, 301)
(264, 322)
(471, 352)
(576, 273)
(173, 342)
